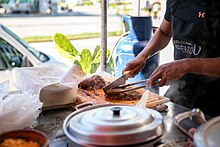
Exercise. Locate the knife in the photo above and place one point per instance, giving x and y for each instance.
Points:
(119, 81)
(119, 86)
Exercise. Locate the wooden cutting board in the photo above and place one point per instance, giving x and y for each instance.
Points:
(114, 101)
(100, 98)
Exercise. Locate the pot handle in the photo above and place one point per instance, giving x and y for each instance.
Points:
(80, 106)
(199, 115)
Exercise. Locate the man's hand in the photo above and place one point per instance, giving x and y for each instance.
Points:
(159, 40)
(189, 143)
(167, 73)
(134, 66)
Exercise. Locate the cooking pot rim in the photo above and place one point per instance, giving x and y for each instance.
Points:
(201, 138)
(160, 128)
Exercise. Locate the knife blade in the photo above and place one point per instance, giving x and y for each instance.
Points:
(119, 81)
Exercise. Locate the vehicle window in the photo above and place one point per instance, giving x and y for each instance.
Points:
(40, 56)
(3, 65)
(7, 52)
(22, 1)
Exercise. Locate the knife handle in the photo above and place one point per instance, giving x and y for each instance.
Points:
(126, 75)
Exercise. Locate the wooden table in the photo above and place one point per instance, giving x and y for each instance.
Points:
(50, 122)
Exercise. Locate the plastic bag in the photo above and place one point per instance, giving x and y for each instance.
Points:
(35, 78)
(19, 110)
(4, 87)
(74, 74)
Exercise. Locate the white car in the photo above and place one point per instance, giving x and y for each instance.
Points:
(15, 52)
(18, 6)
(2, 9)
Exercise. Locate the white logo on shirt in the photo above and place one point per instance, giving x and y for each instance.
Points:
(201, 14)
(187, 47)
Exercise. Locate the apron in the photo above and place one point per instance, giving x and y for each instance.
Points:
(190, 41)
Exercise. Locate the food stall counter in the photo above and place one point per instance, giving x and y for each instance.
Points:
(50, 122)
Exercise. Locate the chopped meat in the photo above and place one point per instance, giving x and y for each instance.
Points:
(97, 82)
(129, 95)
(85, 96)
(87, 84)
(161, 107)
(94, 82)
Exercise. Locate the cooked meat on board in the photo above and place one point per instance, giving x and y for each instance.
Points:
(91, 90)
(91, 83)
(97, 82)
(84, 96)
(129, 95)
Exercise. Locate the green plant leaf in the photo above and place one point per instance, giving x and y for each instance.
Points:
(108, 53)
(94, 67)
(77, 63)
(96, 50)
(96, 62)
(86, 60)
(97, 58)
(64, 44)
(110, 66)
(64, 53)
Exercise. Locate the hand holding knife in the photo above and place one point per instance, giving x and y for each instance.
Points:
(119, 86)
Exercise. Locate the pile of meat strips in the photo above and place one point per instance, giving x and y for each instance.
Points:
(96, 84)
(91, 90)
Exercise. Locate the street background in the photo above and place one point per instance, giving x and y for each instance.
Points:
(79, 21)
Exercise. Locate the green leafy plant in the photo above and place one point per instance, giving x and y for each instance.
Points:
(89, 62)
(3, 2)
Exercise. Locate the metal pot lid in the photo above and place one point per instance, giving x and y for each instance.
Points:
(110, 125)
(207, 135)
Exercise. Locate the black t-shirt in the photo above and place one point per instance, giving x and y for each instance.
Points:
(188, 11)
(213, 19)
(191, 15)
(212, 13)
(194, 90)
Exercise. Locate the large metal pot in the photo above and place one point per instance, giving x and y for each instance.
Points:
(207, 134)
(114, 125)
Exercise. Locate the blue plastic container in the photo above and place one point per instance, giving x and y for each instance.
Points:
(139, 31)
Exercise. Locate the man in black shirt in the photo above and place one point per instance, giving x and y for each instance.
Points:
(194, 75)
(213, 20)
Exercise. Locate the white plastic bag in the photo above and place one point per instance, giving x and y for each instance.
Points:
(19, 110)
(35, 78)
(74, 74)
(4, 87)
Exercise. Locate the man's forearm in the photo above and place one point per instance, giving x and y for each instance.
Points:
(204, 66)
(158, 41)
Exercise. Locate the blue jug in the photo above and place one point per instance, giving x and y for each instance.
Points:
(138, 31)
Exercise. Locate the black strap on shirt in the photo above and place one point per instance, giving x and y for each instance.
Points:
(175, 7)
